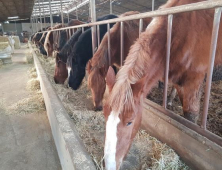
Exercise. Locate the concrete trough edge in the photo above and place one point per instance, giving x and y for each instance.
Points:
(195, 150)
(71, 150)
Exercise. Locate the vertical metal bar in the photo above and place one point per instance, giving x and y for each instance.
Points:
(70, 33)
(141, 26)
(44, 15)
(31, 24)
(153, 5)
(216, 25)
(121, 42)
(2, 29)
(111, 6)
(36, 23)
(62, 13)
(77, 12)
(50, 9)
(82, 29)
(68, 17)
(169, 33)
(98, 35)
(93, 19)
(109, 48)
(40, 14)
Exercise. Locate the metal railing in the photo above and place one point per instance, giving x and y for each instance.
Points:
(216, 4)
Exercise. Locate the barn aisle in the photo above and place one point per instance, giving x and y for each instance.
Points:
(26, 141)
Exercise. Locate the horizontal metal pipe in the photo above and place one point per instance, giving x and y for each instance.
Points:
(160, 12)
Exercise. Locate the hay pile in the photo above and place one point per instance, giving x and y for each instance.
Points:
(4, 39)
(29, 58)
(34, 103)
(4, 45)
(91, 128)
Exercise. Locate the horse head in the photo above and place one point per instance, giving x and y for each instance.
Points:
(97, 84)
(61, 72)
(123, 119)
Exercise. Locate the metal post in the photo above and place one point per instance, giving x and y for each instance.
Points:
(98, 35)
(77, 13)
(44, 15)
(153, 5)
(93, 19)
(121, 42)
(216, 25)
(70, 33)
(109, 46)
(36, 24)
(82, 29)
(141, 26)
(31, 25)
(68, 17)
(40, 13)
(111, 6)
(62, 13)
(169, 33)
(51, 19)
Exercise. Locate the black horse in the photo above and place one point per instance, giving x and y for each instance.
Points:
(82, 53)
(61, 72)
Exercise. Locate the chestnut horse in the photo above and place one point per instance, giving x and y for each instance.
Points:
(144, 66)
(53, 42)
(99, 64)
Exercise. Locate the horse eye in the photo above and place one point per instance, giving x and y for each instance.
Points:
(129, 123)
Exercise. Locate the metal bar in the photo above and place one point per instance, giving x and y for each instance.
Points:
(62, 13)
(216, 25)
(141, 26)
(121, 42)
(68, 17)
(36, 24)
(51, 19)
(44, 16)
(98, 35)
(109, 48)
(111, 6)
(162, 12)
(40, 16)
(169, 36)
(153, 5)
(31, 24)
(93, 19)
(70, 33)
(77, 12)
(82, 29)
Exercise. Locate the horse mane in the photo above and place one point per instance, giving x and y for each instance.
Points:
(100, 58)
(134, 69)
(75, 22)
(67, 48)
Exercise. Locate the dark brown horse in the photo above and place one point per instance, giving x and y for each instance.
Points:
(99, 64)
(144, 66)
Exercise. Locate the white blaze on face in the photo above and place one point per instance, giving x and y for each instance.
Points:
(69, 70)
(111, 141)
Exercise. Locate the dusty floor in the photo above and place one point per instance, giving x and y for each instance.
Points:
(26, 141)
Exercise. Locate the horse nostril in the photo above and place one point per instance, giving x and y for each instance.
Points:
(56, 80)
(99, 108)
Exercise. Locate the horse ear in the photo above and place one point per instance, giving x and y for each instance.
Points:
(110, 78)
(89, 66)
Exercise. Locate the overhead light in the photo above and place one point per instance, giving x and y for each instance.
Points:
(15, 17)
(6, 22)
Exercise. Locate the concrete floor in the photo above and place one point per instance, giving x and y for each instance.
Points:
(26, 141)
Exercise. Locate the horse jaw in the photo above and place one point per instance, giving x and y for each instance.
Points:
(111, 141)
